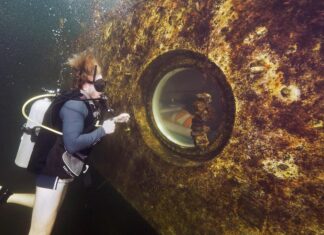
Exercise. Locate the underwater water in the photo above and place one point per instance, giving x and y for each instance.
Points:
(36, 39)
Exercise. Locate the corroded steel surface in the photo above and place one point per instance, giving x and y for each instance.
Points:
(269, 177)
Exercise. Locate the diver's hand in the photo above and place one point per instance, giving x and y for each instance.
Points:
(123, 117)
(109, 126)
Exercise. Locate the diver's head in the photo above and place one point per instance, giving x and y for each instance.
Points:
(93, 84)
(87, 73)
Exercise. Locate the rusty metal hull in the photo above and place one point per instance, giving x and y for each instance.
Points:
(268, 179)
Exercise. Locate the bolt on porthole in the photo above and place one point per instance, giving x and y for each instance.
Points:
(190, 104)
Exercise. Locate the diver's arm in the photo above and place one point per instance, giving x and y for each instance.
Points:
(73, 114)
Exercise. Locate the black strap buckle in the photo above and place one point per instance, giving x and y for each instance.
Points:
(33, 132)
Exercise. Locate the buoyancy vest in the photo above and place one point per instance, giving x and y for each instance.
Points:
(47, 154)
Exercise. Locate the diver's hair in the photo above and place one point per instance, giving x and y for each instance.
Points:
(83, 65)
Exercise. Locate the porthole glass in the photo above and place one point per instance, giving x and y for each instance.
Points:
(189, 103)
(173, 105)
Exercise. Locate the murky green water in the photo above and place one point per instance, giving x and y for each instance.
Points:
(36, 39)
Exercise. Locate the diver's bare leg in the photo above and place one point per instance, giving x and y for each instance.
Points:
(24, 199)
(47, 204)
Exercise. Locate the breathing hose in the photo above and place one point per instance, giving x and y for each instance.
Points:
(39, 124)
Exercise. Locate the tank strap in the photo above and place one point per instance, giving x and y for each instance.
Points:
(33, 132)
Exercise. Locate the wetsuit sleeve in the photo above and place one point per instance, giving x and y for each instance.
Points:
(73, 114)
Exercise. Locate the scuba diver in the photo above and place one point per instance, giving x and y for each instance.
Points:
(58, 159)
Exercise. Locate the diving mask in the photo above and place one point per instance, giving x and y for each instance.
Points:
(98, 82)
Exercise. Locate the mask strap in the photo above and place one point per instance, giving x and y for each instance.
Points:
(94, 73)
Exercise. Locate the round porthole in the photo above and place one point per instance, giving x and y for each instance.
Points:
(190, 105)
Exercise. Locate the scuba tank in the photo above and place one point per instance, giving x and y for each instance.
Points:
(27, 142)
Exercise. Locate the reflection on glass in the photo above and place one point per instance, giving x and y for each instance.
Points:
(173, 104)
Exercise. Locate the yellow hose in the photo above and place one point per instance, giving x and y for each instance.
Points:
(38, 124)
